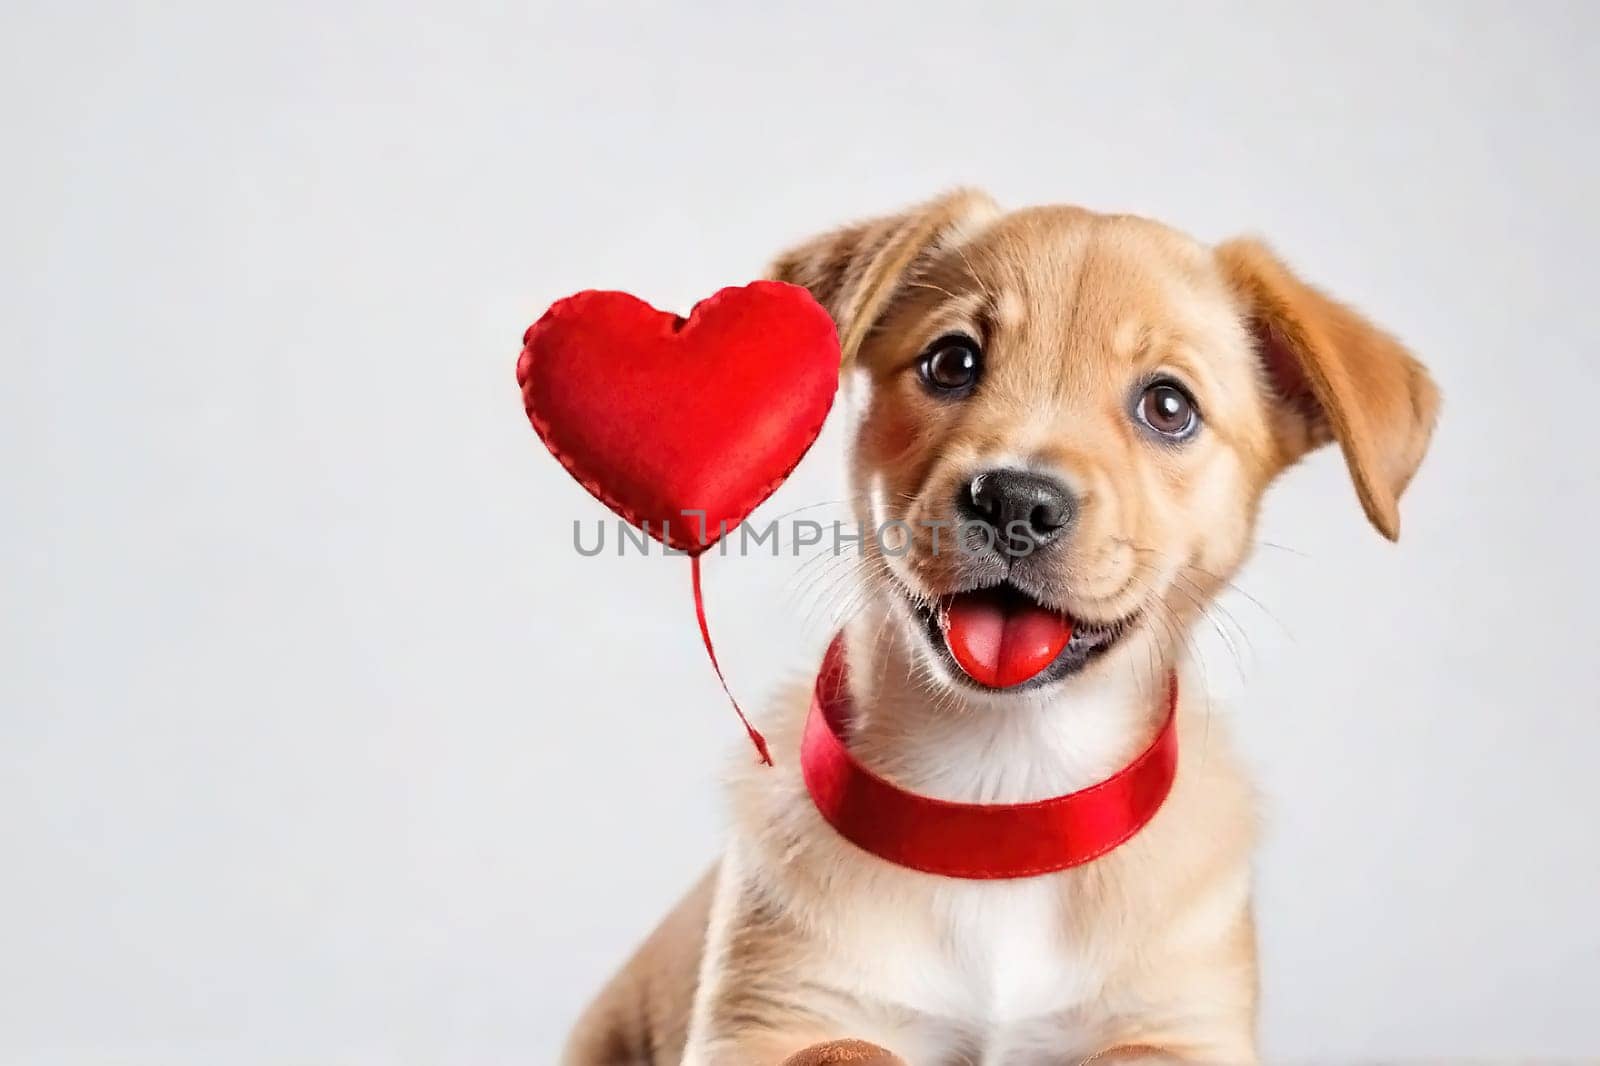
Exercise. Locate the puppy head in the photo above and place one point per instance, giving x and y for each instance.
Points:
(1067, 421)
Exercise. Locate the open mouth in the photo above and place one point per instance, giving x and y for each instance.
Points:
(1003, 638)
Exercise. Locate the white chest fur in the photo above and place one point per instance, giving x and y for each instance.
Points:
(977, 972)
(996, 956)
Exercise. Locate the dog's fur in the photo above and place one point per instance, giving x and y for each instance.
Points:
(796, 937)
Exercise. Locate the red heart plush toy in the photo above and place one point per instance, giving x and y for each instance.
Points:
(658, 415)
(682, 425)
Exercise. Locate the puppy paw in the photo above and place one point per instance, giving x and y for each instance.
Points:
(1129, 1055)
(843, 1053)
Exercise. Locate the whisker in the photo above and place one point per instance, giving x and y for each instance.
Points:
(930, 285)
(973, 274)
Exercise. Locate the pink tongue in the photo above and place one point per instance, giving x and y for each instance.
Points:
(999, 643)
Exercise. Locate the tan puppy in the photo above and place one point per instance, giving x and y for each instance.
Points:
(1132, 393)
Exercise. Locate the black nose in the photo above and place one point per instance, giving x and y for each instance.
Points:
(1026, 510)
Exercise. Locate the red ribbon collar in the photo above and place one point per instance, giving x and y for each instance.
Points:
(970, 840)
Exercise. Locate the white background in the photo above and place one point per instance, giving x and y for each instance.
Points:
(319, 743)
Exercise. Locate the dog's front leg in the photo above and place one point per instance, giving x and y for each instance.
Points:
(770, 1050)
(758, 1002)
(844, 1053)
(748, 1015)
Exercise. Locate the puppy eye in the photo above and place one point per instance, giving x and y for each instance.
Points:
(951, 365)
(1168, 410)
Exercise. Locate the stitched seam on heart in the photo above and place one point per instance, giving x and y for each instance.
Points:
(628, 514)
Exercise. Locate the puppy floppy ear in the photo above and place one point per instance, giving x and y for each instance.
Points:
(1334, 375)
(855, 271)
